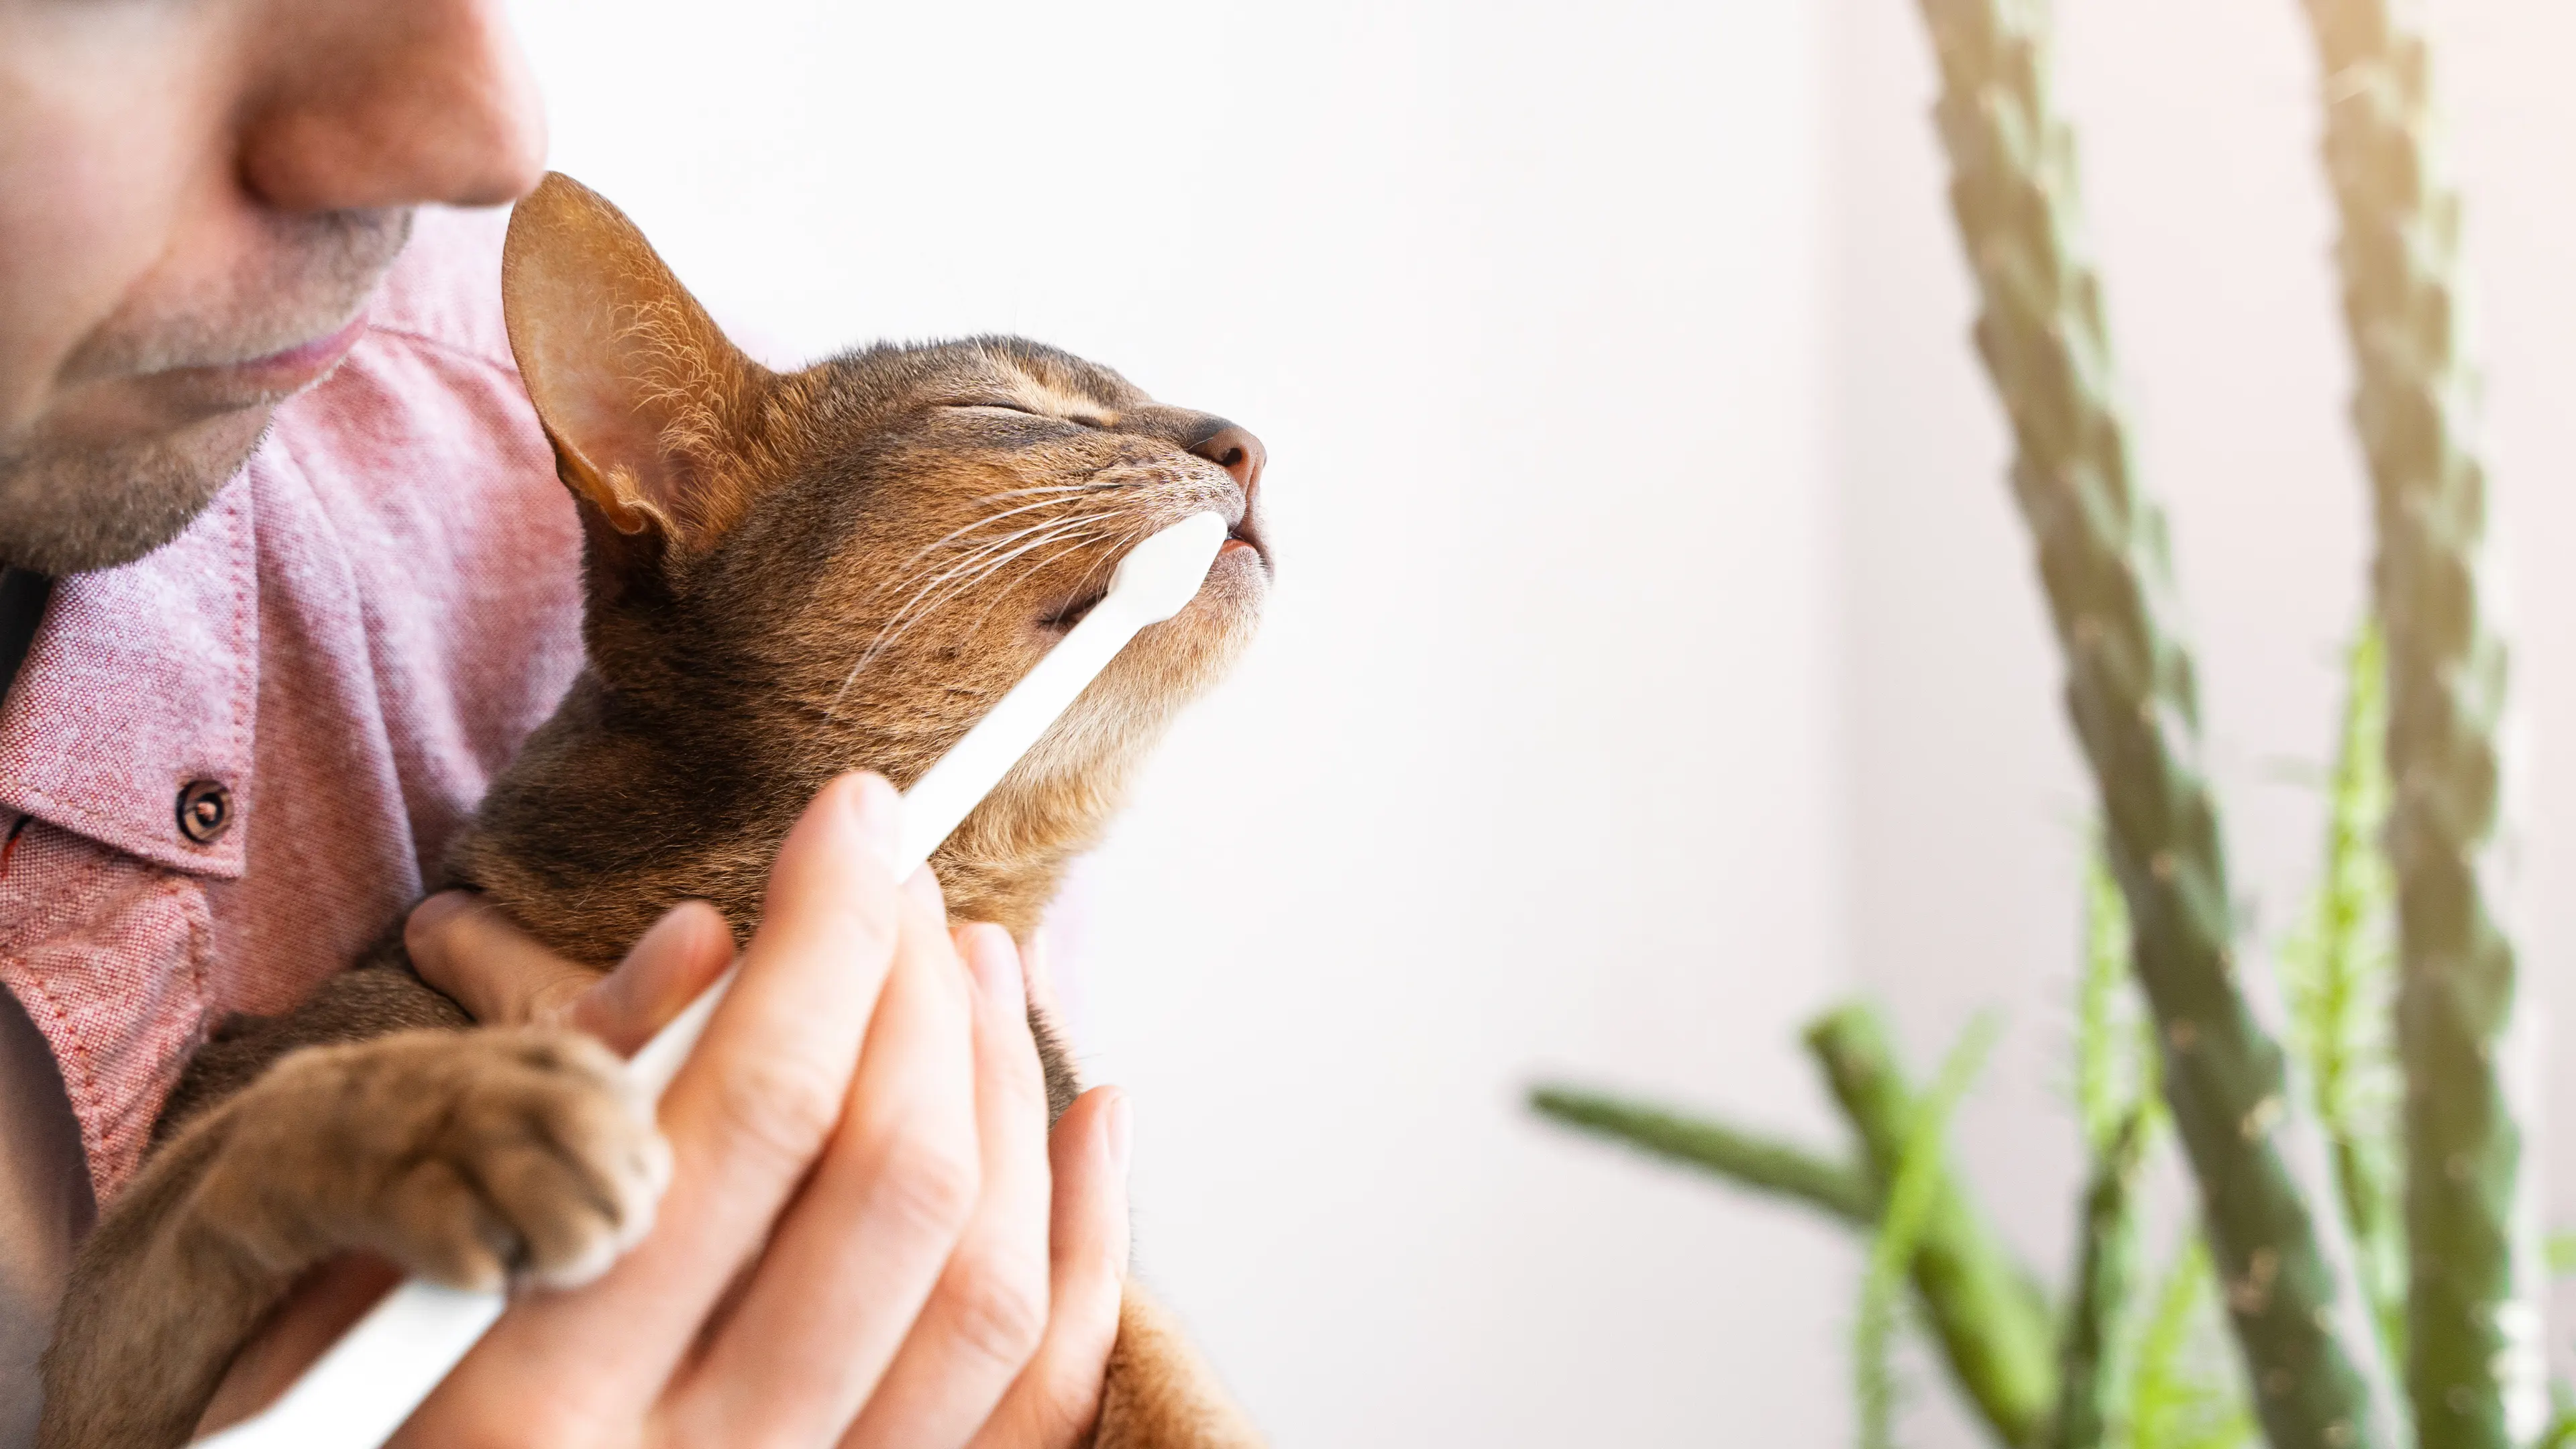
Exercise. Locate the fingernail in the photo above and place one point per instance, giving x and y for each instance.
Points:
(1035, 965)
(617, 992)
(421, 928)
(923, 886)
(1122, 1134)
(995, 960)
(438, 909)
(878, 810)
(613, 995)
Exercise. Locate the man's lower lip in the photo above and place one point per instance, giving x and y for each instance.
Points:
(307, 361)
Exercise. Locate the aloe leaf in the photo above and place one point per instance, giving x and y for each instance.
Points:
(1747, 1159)
(2473, 1362)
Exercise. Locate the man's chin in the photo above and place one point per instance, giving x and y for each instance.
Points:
(73, 510)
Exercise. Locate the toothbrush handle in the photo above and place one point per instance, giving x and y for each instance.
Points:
(938, 802)
(362, 1389)
(952, 787)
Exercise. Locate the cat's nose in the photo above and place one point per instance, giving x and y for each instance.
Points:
(1237, 451)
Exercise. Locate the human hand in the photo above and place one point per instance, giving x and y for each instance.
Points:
(860, 1244)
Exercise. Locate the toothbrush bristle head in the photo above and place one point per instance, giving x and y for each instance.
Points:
(1160, 576)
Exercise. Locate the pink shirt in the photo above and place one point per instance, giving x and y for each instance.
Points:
(340, 652)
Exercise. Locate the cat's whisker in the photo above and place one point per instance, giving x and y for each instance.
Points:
(896, 628)
(1138, 527)
(966, 575)
(1035, 569)
(973, 557)
(949, 584)
(1085, 531)
(966, 548)
(1100, 567)
(956, 534)
(1096, 486)
(1103, 567)
(926, 586)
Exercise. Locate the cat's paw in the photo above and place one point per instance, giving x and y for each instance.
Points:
(465, 1157)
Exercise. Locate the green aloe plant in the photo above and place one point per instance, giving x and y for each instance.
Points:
(2400, 978)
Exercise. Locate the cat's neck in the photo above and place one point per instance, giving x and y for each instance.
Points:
(598, 827)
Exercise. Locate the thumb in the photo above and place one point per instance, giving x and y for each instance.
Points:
(470, 949)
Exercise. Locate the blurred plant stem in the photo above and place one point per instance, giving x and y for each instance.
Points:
(1917, 1189)
(1991, 1320)
(2130, 691)
(2473, 1360)
(1746, 1158)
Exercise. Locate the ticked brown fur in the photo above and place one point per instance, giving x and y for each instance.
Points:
(789, 576)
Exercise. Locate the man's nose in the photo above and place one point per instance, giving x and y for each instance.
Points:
(1234, 448)
(387, 103)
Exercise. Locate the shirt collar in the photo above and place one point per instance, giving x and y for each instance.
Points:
(142, 681)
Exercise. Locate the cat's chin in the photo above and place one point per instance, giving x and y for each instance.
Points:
(1239, 579)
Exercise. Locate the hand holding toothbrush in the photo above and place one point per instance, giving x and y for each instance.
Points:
(865, 1052)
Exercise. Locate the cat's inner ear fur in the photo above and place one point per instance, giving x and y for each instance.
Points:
(646, 401)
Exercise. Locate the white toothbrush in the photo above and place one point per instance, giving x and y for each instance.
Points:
(368, 1383)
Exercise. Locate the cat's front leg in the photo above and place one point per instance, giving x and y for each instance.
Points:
(1159, 1393)
(464, 1157)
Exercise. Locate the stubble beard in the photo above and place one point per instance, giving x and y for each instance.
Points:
(72, 510)
(77, 504)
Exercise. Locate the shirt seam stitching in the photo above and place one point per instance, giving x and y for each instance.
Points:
(84, 1061)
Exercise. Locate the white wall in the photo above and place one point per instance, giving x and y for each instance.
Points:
(1536, 764)
(1655, 647)
(2198, 123)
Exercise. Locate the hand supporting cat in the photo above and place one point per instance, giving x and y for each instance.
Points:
(789, 577)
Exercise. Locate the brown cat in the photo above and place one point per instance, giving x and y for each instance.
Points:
(789, 576)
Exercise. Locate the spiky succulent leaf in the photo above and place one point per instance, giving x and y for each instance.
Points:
(1914, 1192)
(2184, 1393)
(2473, 1362)
(2130, 691)
(2339, 975)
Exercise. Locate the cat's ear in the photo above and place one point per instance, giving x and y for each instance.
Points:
(643, 397)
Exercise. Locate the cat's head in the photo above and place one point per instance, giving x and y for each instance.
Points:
(792, 574)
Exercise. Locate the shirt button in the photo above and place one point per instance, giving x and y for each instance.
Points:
(205, 810)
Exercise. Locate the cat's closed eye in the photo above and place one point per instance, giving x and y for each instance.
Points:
(996, 405)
